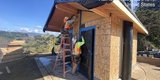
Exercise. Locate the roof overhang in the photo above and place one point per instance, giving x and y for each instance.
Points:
(103, 8)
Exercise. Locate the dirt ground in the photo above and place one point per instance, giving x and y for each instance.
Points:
(145, 71)
(24, 69)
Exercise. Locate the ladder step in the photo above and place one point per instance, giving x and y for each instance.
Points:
(68, 55)
(65, 44)
(62, 63)
(67, 71)
(67, 49)
(66, 37)
(59, 59)
(59, 64)
(67, 62)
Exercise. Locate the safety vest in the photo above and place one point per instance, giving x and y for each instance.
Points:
(77, 49)
(67, 26)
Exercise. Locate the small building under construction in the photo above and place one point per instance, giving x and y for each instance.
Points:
(110, 31)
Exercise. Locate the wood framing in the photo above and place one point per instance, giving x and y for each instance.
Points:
(67, 8)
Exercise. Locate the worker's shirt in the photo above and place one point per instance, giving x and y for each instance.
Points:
(77, 49)
(68, 23)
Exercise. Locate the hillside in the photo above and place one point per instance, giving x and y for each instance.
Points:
(6, 37)
(41, 43)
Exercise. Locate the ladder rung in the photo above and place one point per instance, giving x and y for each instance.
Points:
(68, 55)
(67, 71)
(66, 44)
(67, 49)
(62, 63)
(59, 59)
(59, 64)
(65, 37)
(67, 62)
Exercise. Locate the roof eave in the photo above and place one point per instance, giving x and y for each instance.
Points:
(138, 21)
(83, 4)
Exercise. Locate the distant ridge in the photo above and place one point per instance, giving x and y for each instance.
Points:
(33, 34)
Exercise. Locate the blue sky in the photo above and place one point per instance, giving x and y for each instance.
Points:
(24, 15)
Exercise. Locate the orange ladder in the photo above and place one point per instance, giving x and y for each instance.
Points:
(65, 47)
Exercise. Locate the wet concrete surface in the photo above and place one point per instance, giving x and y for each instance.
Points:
(56, 74)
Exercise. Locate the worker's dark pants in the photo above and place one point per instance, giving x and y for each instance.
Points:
(75, 61)
(65, 32)
(66, 29)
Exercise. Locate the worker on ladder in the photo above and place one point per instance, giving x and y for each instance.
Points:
(76, 51)
(67, 24)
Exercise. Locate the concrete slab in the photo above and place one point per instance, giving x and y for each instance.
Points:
(146, 71)
(45, 74)
(1, 72)
(56, 74)
(39, 64)
(7, 69)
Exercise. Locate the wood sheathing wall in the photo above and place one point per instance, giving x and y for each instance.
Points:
(108, 46)
(76, 26)
(102, 47)
(115, 47)
(134, 56)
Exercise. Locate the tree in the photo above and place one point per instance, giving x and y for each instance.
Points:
(41, 44)
(151, 20)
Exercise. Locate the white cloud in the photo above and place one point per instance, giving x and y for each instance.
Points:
(30, 30)
(25, 30)
(38, 27)
(36, 31)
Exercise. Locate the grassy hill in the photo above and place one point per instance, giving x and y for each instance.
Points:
(40, 44)
(6, 37)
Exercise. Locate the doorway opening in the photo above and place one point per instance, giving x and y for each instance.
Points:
(86, 66)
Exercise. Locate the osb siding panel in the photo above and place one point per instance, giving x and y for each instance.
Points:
(116, 32)
(134, 51)
(102, 48)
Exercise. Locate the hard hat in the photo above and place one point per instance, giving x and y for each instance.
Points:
(65, 19)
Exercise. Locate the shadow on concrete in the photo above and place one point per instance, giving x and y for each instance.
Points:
(157, 69)
(154, 63)
(24, 69)
(1, 55)
(13, 55)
